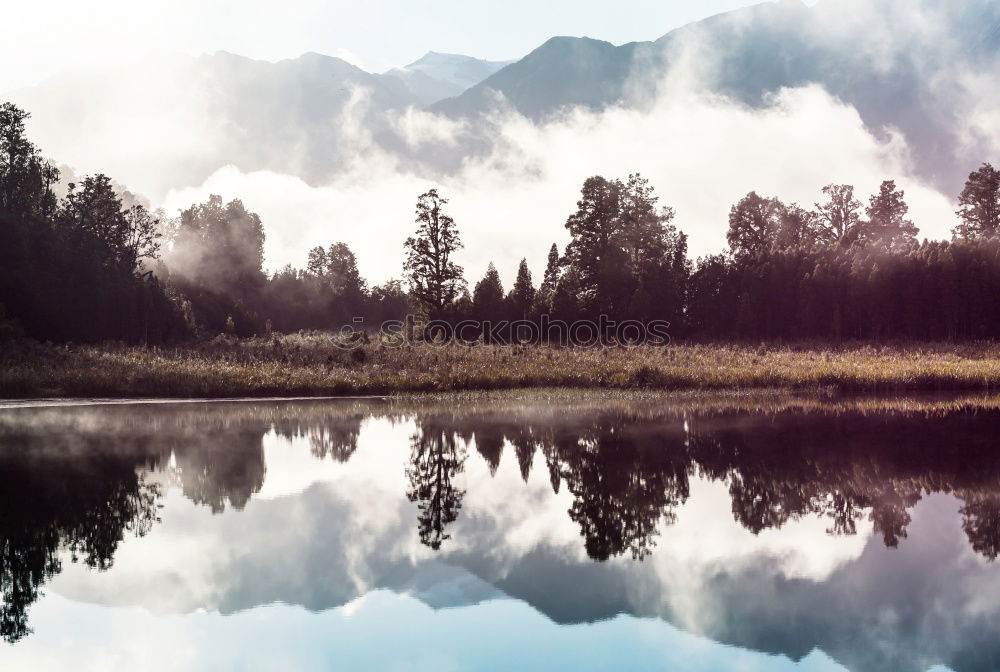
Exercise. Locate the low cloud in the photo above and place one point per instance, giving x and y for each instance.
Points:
(702, 153)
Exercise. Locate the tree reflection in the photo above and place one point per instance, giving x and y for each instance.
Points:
(489, 444)
(436, 457)
(77, 481)
(86, 507)
(338, 441)
(759, 505)
(627, 475)
(93, 475)
(890, 516)
(623, 486)
(981, 522)
(220, 469)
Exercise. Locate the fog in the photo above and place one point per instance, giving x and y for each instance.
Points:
(701, 152)
(325, 152)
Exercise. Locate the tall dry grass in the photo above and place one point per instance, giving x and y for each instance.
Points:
(314, 365)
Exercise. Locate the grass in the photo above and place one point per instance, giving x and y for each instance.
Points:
(313, 365)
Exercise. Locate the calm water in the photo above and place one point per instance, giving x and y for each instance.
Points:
(637, 534)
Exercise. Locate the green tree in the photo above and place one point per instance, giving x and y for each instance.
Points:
(621, 238)
(796, 226)
(646, 232)
(753, 222)
(546, 291)
(522, 296)
(142, 238)
(979, 204)
(342, 271)
(487, 298)
(221, 246)
(839, 215)
(316, 263)
(887, 226)
(435, 279)
(596, 251)
(92, 215)
(26, 180)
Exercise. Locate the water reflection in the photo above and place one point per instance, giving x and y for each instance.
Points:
(436, 458)
(78, 482)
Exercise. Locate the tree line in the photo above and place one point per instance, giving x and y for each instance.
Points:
(93, 263)
(87, 261)
(838, 270)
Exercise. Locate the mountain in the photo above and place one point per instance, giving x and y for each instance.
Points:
(437, 76)
(171, 121)
(901, 64)
(189, 116)
(563, 72)
(925, 69)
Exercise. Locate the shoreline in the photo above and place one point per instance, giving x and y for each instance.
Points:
(311, 366)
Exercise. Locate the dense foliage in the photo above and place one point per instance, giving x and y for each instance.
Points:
(86, 261)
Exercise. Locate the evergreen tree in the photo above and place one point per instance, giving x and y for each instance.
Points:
(522, 296)
(547, 290)
(93, 214)
(488, 298)
(597, 251)
(221, 246)
(342, 271)
(979, 204)
(887, 226)
(77, 269)
(217, 261)
(753, 222)
(26, 180)
(796, 226)
(142, 238)
(839, 215)
(317, 262)
(435, 280)
(566, 299)
(646, 231)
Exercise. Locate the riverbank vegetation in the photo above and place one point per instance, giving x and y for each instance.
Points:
(192, 311)
(86, 261)
(317, 365)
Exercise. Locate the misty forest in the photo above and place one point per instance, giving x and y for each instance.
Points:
(641, 336)
(89, 262)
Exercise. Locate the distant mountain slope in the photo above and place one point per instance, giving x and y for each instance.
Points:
(438, 76)
(570, 71)
(927, 68)
(167, 122)
(899, 63)
(563, 72)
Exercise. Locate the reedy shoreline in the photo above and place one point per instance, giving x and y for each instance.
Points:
(312, 365)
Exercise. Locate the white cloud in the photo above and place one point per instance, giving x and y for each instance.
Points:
(701, 152)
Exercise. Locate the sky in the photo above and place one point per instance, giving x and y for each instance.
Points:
(373, 34)
(511, 203)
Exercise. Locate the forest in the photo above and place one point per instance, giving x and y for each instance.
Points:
(89, 262)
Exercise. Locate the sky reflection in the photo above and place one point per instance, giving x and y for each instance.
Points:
(633, 534)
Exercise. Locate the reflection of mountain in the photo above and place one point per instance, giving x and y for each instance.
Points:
(624, 471)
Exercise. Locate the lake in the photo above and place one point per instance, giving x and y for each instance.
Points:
(506, 532)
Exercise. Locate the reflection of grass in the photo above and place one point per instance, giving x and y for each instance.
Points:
(310, 365)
